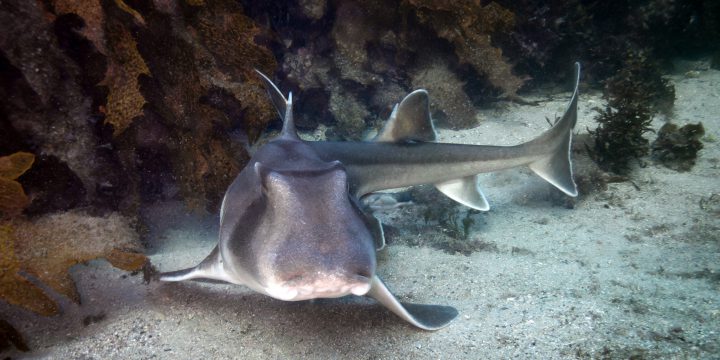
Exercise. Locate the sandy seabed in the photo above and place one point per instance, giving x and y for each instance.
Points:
(630, 272)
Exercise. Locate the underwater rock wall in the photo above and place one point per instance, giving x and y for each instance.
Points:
(45, 107)
(132, 101)
(102, 89)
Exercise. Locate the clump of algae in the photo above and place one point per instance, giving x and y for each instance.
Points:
(12, 196)
(46, 248)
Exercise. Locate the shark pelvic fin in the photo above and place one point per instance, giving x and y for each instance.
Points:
(282, 105)
(426, 317)
(557, 167)
(209, 269)
(465, 191)
(409, 121)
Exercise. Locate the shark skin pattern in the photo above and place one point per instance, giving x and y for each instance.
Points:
(291, 224)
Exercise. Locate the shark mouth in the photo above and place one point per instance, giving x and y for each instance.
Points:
(331, 286)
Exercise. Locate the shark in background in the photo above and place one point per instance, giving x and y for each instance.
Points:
(292, 226)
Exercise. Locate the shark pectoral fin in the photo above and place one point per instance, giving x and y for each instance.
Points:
(209, 269)
(465, 191)
(409, 121)
(426, 317)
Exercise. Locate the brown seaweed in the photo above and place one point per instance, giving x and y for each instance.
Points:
(634, 94)
(677, 148)
(12, 196)
(45, 249)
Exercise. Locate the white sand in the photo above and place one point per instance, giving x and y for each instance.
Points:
(625, 273)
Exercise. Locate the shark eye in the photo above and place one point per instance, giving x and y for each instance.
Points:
(274, 183)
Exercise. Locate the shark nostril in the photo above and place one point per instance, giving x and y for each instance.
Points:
(359, 279)
(360, 289)
(364, 272)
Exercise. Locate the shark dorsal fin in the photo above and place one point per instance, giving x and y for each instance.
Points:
(282, 105)
(409, 121)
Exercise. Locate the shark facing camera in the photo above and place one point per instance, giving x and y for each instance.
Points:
(292, 226)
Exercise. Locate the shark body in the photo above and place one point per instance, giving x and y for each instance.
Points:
(291, 226)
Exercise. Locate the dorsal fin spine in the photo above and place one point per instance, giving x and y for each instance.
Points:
(288, 130)
(282, 105)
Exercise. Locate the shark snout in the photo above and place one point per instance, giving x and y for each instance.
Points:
(333, 285)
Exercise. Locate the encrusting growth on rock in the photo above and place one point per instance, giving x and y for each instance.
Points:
(677, 148)
(12, 196)
(46, 248)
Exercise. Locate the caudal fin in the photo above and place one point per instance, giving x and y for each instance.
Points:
(557, 167)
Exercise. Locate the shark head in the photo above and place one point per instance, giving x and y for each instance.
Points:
(301, 253)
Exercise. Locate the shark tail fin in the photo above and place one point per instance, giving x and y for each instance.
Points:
(556, 168)
(209, 269)
(282, 105)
